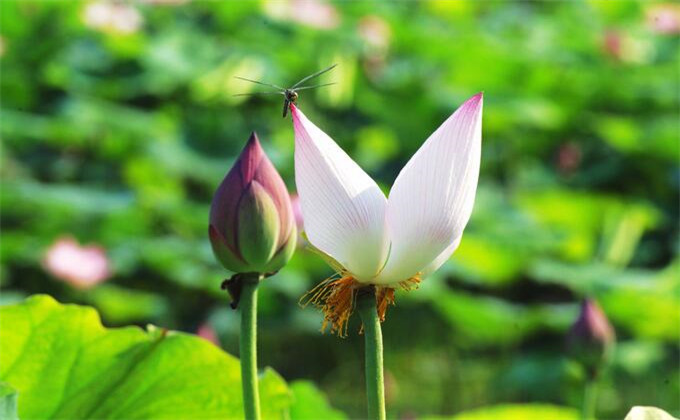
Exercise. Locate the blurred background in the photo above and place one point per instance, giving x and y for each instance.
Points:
(118, 123)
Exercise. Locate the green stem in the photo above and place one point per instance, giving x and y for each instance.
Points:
(248, 348)
(375, 384)
(589, 399)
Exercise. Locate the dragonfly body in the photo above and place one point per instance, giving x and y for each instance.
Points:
(290, 95)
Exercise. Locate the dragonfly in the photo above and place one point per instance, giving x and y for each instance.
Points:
(290, 95)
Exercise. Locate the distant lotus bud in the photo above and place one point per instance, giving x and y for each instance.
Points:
(569, 157)
(252, 227)
(591, 337)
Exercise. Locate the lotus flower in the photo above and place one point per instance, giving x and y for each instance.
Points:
(386, 242)
(252, 227)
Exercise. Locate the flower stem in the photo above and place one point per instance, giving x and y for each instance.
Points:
(375, 384)
(248, 348)
(589, 399)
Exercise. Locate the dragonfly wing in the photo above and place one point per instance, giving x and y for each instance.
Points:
(258, 93)
(315, 86)
(311, 76)
(259, 83)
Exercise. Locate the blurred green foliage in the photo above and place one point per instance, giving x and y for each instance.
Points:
(118, 124)
(519, 412)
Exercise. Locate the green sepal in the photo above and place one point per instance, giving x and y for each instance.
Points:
(225, 255)
(284, 254)
(258, 227)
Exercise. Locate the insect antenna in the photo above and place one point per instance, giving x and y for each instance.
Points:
(311, 76)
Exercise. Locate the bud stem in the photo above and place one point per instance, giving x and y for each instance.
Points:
(248, 347)
(589, 399)
(375, 384)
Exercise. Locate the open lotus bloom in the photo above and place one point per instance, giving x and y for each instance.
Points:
(390, 241)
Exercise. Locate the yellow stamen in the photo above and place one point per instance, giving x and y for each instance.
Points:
(335, 296)
(411, 283)
(384, 296)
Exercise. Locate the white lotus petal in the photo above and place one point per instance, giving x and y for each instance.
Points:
(441, 258)
(342, 207)
(432, 198)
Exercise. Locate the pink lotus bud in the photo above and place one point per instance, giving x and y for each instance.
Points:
(591, 337)
(252, 227)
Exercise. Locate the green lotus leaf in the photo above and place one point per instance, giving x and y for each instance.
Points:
(64, 364)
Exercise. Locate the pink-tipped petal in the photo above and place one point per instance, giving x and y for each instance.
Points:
(343, 208)
(432, 198)
(267, 175)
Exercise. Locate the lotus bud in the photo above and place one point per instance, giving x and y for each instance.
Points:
(591, 337)
(252, 226)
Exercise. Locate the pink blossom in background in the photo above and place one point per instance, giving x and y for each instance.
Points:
(112, 17)
(375, 32)
(628, 47)
(80, 266)
(165, 2)
(664, 18)
(313, 13)
(207, 332)
(612, 43)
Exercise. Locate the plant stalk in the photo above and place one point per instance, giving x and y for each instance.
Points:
(589, 399)
(248, 349)
(375, 383)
